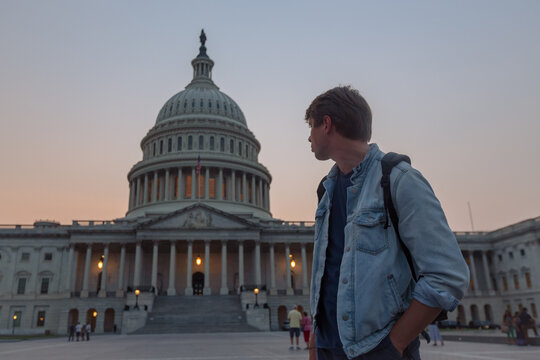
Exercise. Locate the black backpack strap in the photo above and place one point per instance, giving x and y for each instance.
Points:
(321, 190)
(387, 163)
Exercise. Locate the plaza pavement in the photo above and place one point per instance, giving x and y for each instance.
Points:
(224, 346)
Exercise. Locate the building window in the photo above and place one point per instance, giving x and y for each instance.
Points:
(522, 251)
(516, 282)
(47, 256)
(500, 257)
(533, 310)
(240, 148)
(21, 286)
(25, 256)
(154, 150)
(179, 144)
(246, 150)
(505, 283)
(211, 143)
(45, 286)
(169, 145)
(528, 280)
(160, 147)
(190, 142)
(17, 319)
(201, 142)
(511, 255)
(40, 319)
(222, 144)
(231, 146)
(188, 186)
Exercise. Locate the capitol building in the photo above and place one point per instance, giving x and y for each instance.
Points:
(198, 247)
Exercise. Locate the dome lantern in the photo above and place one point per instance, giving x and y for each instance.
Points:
(202, 66)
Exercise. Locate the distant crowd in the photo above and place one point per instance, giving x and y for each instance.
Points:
(517, 327)
(79, 332)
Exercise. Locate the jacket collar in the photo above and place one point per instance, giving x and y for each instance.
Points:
(361, 168)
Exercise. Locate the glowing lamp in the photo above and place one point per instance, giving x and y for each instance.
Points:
(94, 314)
(198, 260)
(293, 263)
(137, 292)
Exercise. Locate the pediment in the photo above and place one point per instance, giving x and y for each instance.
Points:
(196, 217)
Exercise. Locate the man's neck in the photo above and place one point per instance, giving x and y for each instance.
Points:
(349, 153)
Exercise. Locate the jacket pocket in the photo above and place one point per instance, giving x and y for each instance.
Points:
(319, 220)
(395, 293)
(369, 233)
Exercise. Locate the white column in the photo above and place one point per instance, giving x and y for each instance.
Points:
(74, 269)
(258, 264)
(154, 187)
(233, 185)
(244, 187)
(207, 184)
(305, 288)
(120, 290)
(260, 193)
(138, 196)
(138, 261)
(167, 175)
(189, 286)
(193, 184)
(220, 185)
(67, 285)
(290, 290)
(154, 266)
(224, 289)
(171, 291)
(145, 190)
(473, 271)
(240, 266)
(486, 272)
(273, 289)
(207, 290)
(179, 189)
(253, 190)
(103, 285)
(84, 292)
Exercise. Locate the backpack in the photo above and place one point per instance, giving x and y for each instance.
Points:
(388, 162)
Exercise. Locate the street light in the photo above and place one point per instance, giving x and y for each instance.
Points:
(198, 261)
(14, 319)
(100, 263)
(137, 292)
(256, 291)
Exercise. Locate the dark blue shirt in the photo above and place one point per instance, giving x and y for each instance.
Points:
(327, 329)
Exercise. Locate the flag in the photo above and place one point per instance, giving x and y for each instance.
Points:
(198, 169)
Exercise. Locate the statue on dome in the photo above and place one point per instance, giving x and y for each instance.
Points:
(202, 37)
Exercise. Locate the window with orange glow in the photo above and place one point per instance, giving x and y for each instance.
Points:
(516, 282)
(505, 283)
(150, 183)
(528, 280)
(188, 186)
(201, 186)
(176, 187)
(212, 188)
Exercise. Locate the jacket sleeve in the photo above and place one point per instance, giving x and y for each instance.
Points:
(442, 271)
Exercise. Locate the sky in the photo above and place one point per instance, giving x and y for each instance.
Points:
(453, 84)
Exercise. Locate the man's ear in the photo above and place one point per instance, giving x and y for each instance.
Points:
(327, 123)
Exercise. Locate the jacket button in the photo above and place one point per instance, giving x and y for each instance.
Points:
(345, 317)
(348, 248)
(345, 281)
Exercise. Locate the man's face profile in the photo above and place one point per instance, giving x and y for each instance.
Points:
(317, 139)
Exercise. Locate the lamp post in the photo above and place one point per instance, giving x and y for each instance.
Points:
(137, 292)
(256, 291)
(14, 319)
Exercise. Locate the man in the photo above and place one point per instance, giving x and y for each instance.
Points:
(87, 329)
(294, 326)
(527, 322)
(365, 302)
(78, 329)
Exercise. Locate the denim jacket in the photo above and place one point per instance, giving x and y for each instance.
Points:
(375, 281)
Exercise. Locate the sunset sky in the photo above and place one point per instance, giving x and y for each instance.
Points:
(454, 84)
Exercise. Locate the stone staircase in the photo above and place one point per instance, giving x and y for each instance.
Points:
(196, 314)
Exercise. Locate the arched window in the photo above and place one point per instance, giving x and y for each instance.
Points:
(190, 142)
(211, 143)
(231, 146)
(179, 144)
(222, 144)
(240, 148)
(169, 145)
(160, 147)
(201, 142)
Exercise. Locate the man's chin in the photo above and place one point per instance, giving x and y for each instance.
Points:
(321, 157)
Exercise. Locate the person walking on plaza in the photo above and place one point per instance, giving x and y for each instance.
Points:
(87, 329)
(306, 328)
(378, 225)
(294, 318)
(508, 322)
(434, 333)
(78, 329)
(526, 322)
(71, 332)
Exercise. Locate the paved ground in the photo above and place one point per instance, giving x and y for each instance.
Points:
(228, 346)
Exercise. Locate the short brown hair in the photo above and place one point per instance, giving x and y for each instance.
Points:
(349, 111)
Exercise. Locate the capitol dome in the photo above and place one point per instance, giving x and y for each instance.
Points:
(200, 150)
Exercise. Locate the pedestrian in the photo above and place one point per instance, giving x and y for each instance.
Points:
(71, 332)
(434, 333)
(78, 329)
(294, 318)
(306, 328)
(526, 323)
(88, 328)
(520, 337)
(382, 305)
(508, 323)
(83, 332)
